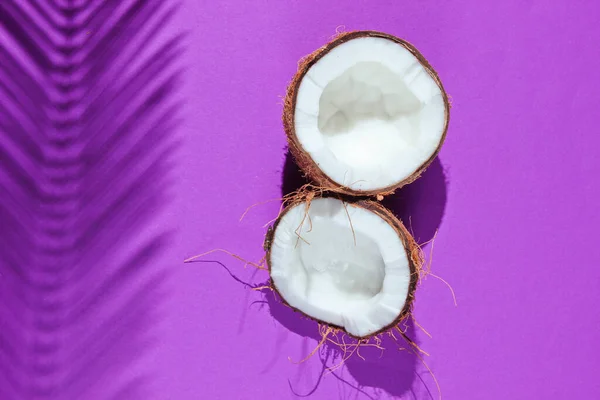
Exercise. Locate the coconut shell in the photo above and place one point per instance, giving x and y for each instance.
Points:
(415, 260)
(303, 159)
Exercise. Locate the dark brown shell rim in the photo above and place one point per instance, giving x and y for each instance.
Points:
(303, 159)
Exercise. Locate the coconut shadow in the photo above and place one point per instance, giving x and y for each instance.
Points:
(419, 205)
(376, 373)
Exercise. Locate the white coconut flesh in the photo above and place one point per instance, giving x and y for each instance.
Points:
(356, 281)
(369, 113)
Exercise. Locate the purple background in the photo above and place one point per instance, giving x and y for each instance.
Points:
(513, 197)
(518, 236)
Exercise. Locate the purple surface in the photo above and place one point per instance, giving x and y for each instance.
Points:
(513, 196)
(518, 236)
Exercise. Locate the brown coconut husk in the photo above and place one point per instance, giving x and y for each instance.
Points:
(415, 259)
(303, 159)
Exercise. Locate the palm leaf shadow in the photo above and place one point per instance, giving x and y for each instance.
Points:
(88, 113)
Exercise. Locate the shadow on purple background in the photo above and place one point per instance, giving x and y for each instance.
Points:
(393, 372)
(86, 123)
(419, 205)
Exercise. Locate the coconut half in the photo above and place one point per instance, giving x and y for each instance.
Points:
(352, 266)
(365, 114)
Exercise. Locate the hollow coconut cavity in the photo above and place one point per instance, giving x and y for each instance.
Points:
(365, 114)
(352, 266)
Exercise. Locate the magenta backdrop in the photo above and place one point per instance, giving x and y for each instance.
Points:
(518, 238)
